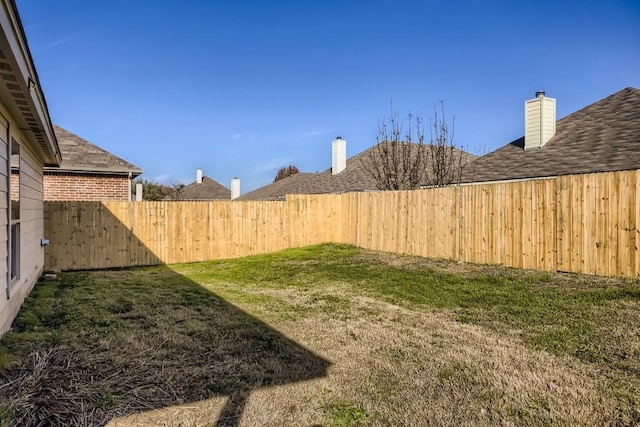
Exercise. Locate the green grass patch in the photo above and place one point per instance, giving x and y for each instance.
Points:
(344, 414)
(551, 312)
(5, 358)
(564, 314)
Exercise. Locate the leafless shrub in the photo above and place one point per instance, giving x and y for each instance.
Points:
(175, 191)
(446, 161)
(402, 160)
(398, 161)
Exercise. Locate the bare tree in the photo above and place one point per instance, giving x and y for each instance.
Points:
(175, 191)
(398, 160)
(286, 171)
(446, 161)
(401, 160)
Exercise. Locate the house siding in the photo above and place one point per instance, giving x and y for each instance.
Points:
(22, 107)
(5, 307)
(31, 213)
(85, 187)
(31, 226)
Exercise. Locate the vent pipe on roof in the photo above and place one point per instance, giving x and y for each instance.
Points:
(235, 188)
(539, 121)
(338, 155)
(199, 176)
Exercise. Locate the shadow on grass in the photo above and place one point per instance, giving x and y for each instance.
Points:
(93, 346)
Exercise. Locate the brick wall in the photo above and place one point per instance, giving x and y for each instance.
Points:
(15, 186)
(88, 187)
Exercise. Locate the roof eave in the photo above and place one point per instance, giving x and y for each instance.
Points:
(98, 171)
(24, 98)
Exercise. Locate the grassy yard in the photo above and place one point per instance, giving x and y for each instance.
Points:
(325, 335)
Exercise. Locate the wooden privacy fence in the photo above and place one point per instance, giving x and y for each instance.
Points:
(580, 223)
(88, 235)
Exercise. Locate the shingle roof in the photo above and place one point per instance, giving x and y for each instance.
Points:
(81, 156)
(208, 189)
(355, 177)
(604, 136)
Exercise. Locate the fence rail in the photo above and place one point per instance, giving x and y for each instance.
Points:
(580, 223)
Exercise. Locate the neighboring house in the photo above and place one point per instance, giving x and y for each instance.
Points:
(344, 175)
(204, 188)
(87, 172)
(602, 137)
(27, 144)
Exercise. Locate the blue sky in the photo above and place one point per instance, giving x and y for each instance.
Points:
(241, 88)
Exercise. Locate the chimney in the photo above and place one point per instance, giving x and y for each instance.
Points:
(539, 121)
(339, 155)
(235, 188)
(199, 176)
(139, 192)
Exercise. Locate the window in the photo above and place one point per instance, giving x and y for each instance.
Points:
(14, 212)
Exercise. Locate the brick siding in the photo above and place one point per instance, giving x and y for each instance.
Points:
(88, 187)
(15, 184)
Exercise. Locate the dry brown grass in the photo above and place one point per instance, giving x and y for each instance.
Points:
(409, 367)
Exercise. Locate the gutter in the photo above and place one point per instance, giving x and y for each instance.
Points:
(40, 130)
(134, 173)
